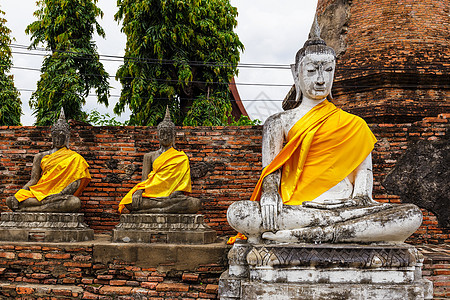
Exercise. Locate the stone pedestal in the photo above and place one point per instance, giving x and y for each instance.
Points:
(163, 228)
(328, 271)
(44, 227)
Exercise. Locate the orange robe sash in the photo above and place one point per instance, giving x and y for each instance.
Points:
(59, 169)
(323, 148)
(170, 173)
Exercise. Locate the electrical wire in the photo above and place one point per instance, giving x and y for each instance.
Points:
(232, 100)
(42, 52)
(256, 84)
(116, 58)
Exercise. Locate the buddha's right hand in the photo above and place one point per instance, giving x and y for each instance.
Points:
(136, 199)
(12, 203)
(271, 206)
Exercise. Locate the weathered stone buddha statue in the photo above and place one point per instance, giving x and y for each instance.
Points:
(58, 176)
(318, 186)
(165, 177)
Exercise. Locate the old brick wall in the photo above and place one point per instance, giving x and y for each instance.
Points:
(225, 162)
(436, 267)
(393, 140)
(71, 272)
(393, 57)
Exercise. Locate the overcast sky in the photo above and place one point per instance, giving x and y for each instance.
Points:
(271, 32)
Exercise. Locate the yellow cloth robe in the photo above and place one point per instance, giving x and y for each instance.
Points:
(170, 173)
(323, 148)
(59, 169)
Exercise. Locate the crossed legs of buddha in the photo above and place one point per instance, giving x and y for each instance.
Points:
(378, 223)
(176, 203)
(53, 203)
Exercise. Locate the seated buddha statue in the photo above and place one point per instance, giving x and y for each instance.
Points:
(316, 185)
(58, 176)
(166, 177)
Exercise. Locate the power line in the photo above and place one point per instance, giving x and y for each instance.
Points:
(257, 84)
(172, 80)
(117, 58)
(155, 61)
(231, 100)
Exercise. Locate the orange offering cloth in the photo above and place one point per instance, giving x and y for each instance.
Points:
(59, 169)
(323, 148)
(170, 173)
(233, 239)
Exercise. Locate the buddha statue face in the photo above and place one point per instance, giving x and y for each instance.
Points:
(59, 138)
(314, 66)
(166, 135)
(316, 74)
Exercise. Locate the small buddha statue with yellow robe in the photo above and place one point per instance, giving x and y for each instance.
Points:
(58, 177)
(316, 185)
(166, 177)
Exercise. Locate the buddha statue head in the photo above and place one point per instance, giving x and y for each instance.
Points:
(314, 67)
(60, 132)
(166, 131)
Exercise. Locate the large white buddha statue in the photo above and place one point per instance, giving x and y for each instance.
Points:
(316, 185)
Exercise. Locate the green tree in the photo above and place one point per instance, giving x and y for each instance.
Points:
(97, 119)
(73, 68)
(10, 104)
(178, 53)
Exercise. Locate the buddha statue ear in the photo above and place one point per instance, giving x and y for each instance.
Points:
(298, 91)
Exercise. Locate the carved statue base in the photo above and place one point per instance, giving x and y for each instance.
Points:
(44, 227)
(324, 271)
(163, 228)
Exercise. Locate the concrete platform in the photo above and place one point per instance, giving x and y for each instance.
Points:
(324, 271)
(44, 227)
(163, 228)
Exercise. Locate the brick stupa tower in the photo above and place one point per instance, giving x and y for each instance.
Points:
(393, 57)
